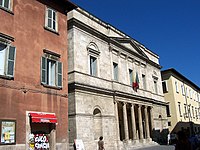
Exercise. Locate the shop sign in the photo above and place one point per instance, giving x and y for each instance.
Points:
(38, 142)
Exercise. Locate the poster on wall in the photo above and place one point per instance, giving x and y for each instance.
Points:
(79, 144)
(8, 132)
(38, 142)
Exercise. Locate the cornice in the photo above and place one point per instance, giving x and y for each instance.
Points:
(7, 37)
(76, 23)
(182, 78)
(74, 86)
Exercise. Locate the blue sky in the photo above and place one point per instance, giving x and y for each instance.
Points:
(170, 28)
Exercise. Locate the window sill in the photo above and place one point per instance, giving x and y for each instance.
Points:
(7, 10)
(51, 30)
(6, 77)
(7, 144)
(52, 87)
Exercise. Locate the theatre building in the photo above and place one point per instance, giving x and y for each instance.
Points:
(33, 74)
(115, 87)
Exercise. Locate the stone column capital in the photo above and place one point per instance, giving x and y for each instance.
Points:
(116, 102)
(124, 103)
(132, 104)
(139, 106)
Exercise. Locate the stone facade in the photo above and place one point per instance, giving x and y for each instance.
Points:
(102, 62)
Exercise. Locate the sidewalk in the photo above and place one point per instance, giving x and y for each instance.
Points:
(153, 147)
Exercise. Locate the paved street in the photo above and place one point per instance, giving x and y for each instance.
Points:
(159, 147)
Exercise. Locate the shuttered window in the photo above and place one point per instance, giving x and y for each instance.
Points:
(51, 72)
(11, 61)
(7, 60)
(5, 4)
(59, 74)
(51, 19)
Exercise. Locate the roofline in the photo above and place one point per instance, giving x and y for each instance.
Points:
(172, 70)
(71, 5)
(108, 25)
(74, 22)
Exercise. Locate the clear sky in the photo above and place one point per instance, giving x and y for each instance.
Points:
(170, 28)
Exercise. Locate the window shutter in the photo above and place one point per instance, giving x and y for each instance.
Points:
(10, 61)
(46, 17)
(59, 74)
(44, 70)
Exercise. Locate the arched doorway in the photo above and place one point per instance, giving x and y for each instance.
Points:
(97, 120)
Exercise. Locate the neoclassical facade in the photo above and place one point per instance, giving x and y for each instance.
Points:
(102, 64)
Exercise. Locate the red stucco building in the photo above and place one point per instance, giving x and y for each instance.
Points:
(33, 74)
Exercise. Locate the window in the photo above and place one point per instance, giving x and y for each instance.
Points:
(115, 71)
(131, 76)
(164, 85)
(199, 112)
(186, 92)
(193, 112)
(93, 56)
(176, 85)
(51, 71)
(196, 113)
(168, 111)
(93, 66)
(155, 85)
(8, 132)
(196, 98)
(189, 111)
(190, 92)
(185, 114)
(7, 60)
(51, 19)
(179, 108)
(169, 123)
(144, 82)
(183, 90)
(5, 4)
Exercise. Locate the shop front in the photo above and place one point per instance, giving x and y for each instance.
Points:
(41, 131)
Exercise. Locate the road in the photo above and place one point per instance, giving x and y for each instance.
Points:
(158, 147)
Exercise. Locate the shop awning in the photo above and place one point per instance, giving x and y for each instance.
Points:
(40, 117)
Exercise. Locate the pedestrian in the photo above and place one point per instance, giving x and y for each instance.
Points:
(183, 143)
(101, 143)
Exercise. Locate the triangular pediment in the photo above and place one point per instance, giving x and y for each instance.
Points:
(131, 45)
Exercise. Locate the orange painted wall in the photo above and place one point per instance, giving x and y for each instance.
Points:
(25, 92)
